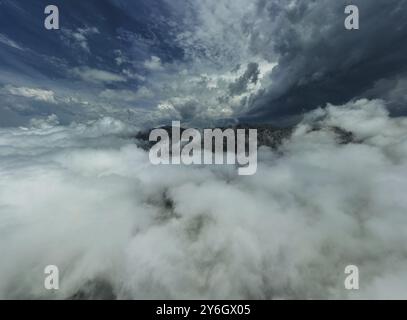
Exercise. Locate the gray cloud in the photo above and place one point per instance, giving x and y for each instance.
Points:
(251, 75)
(319, 60)
(191, 49)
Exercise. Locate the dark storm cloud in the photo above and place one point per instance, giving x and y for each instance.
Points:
(251, 75)
(320, 61)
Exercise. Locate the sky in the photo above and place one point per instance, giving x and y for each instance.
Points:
(202, 62)
(77, 192)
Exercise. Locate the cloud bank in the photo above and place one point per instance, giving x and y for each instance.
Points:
(85, 198)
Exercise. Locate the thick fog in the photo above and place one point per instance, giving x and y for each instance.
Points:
(85, 198)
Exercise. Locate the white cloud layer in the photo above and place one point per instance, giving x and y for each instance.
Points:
(34, 93)
(86, 199)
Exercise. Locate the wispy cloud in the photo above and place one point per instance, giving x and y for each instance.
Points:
(79, 37)
(97, 75)
(33, 93)
(9, 42)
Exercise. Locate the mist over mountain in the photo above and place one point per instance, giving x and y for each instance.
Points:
(85, 198)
